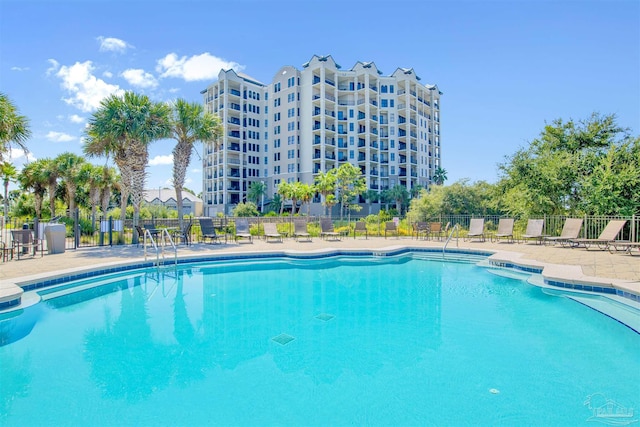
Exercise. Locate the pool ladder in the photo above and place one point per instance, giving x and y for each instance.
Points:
(456, 229)
(159, 249)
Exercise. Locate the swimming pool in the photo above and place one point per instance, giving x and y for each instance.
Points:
(394, 340)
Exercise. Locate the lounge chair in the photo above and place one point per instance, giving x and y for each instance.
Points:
(271, 231)
(327, 231)
(534, 230)
(184, 235)
(570, 231)
(25, 243)
(208, 230)
(361, 227)
(300, 230)
(390, 227)
(242, 230)
(625, 246)
(606, 238)
(476, 229)
(505, 230)
(421, 227)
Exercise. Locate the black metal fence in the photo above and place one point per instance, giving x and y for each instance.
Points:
(87, 231)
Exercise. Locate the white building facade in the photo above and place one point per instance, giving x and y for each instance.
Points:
(315, 119)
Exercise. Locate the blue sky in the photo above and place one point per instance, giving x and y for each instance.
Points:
(505, 67)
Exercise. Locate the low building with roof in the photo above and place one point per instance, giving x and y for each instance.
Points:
(166, 197)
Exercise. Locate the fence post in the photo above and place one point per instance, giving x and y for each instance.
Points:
(110, 231)
(76, 227)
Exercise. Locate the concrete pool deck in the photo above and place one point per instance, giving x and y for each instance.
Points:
(569, 265)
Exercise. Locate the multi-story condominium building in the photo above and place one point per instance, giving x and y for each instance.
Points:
(312, 120)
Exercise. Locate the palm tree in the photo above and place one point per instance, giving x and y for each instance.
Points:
(189, 124)
(285, 190)
(371, 196)
(14, 128)
(257, 189)
(9, 173)
(69, 168)
(50, 173)
(92, 175)
(325, 184)
(439, 176)
(276, 203)
(108, 182)
(123, 127)
(305, 194)
(400, 194)
(31, 177)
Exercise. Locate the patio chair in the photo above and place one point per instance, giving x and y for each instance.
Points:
(476, 229)
(327, 231)
(534, 230)
(242, 230)
(361, 227)
(208, 230)
(23, 239)
(435, 230)
(605, 239)
(390, 227)
(570, 230)
(271, 231)
(300, 230)
(505, 230)
(421, 227)
(7, 251)
(183, 235)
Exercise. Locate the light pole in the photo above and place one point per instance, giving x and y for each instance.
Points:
(264, 188)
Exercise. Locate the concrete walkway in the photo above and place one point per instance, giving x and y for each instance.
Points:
(618, 270)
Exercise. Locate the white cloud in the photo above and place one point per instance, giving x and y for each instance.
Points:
(19, 68)
(112, 44)
(196, 170)
(174, 90)
(107, 74)
(86, 89)
(139, 78)
(197, 67)
(17, 155)
(74, 118)
(59, 137)
(161, 160)
(55, 65)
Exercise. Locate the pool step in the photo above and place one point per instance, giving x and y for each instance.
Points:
(450, 257)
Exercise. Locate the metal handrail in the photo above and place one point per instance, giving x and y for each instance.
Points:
(164, 234)
(455, 228)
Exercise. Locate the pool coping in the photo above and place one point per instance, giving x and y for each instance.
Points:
(557, 275)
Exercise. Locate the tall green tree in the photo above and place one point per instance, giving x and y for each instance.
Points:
(286, 192)
(325, 184)
(349, 183)
(31, 178)
(189, 124)
(551, 174)
(69, 170)
(14, 127)
(256, 193)
(50, 173)
(9, 173)
(439, 175)
(400, 195)
(122, 128)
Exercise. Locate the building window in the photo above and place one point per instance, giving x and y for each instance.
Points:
(383, 89)
(351, 155)
(390, 88)
(391, 103)
(392, 143)
(351, 114)
(384, 103)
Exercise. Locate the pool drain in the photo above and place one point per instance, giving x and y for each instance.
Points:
(494, 391)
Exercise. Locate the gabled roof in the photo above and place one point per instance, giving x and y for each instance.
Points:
(166, 194)
(324, 58)
(366, 65)
(406, 71)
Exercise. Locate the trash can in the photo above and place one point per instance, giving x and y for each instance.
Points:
(55, 235)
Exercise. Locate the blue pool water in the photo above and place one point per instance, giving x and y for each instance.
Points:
(388, 341)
